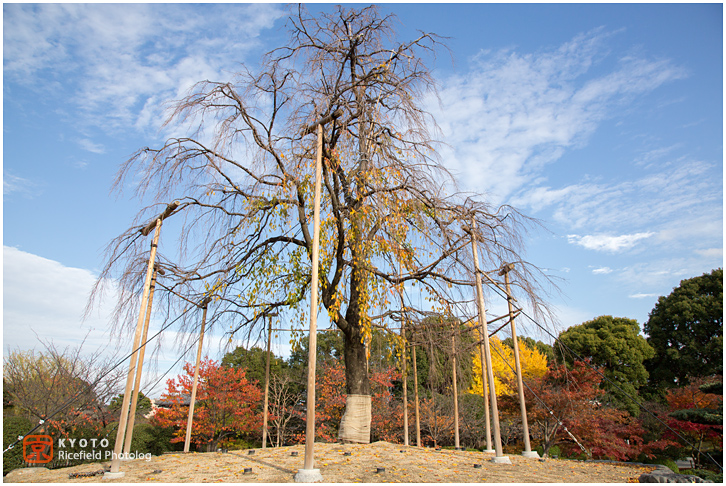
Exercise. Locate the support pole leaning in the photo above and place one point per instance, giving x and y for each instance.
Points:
(123, 420)
(517, 364)
(195, 382)
(499, 457)
(140, 365)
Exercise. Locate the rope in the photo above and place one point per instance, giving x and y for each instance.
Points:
(551, 412)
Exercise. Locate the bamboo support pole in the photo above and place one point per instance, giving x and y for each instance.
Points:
(499, 457)
(195, 383)
(517, 364)
(140, 365)
(123, 419)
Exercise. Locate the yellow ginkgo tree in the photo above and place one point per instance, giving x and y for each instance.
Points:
(533, 362)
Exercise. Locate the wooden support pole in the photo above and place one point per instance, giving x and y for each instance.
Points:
(193, 398)
(123, 419)
(518, 367)
(415, 394)
(456, 390)
(267, 384)
(404, 366)
(139, 368)
(485, 392)
(499, 457)
(312, 474)
(405, 391)
(152, 224)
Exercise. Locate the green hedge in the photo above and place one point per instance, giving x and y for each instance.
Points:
(12, 428)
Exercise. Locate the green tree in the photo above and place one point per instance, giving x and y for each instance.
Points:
(686, 331)
(143, 405)
(329, 347)
(254, 360)
(615, 344)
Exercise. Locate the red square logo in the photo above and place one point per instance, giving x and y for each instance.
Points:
(37, 449)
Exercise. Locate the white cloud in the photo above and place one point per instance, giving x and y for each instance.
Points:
(602, 271)
(90, 146)
(662, 275)
(608, 243)
(45, 301)
(711, 253)
(665, 194)
(19, 185)
(642, 296)
(42, 297)
(514, 113)
(125, 60)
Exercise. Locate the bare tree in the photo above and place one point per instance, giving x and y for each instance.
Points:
(244, 181)
(55, 382)
(284, 396)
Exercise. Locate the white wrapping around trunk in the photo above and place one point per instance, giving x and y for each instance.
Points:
(355, 426)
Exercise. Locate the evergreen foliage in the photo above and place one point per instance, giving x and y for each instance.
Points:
(686, 331)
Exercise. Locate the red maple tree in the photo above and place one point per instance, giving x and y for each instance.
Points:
(227, 404)
(567, 411)
(690, 397)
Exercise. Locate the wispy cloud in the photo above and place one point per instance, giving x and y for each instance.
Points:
(13, 184)
(711, 252)
(514, 113)
(607, 243)
(664, 200)
(642, 296)
(127, 59)
(602, 271)
(90, 146)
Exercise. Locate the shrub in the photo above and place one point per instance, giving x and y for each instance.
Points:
(667, 462)
(708, 475)
(12, 428)
(154, 439)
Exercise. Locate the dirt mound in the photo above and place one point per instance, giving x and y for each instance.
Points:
(400, 464)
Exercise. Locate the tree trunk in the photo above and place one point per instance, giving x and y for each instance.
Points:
(355, 425)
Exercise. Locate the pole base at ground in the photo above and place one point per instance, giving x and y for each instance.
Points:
(308, 476)
(531, 454)
(501, 460)
(490, 451)
(113, 475)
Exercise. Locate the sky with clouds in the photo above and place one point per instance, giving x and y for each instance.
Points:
(605, 122)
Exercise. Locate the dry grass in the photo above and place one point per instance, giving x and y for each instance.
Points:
(402, 464)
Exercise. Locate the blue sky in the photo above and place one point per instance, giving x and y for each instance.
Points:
(603, 121)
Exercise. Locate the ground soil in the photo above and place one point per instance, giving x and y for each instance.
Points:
(402, 464)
